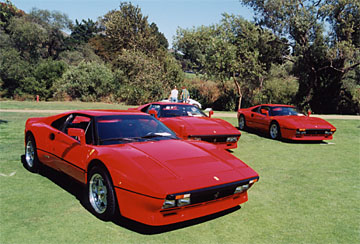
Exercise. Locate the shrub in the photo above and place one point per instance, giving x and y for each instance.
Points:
(87, 81)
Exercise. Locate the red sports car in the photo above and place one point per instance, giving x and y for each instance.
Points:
(284, 121)
(134, 164)
(189, 122)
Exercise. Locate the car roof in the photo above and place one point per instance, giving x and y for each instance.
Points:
(103, 112)
(172, 103)
(276, 105)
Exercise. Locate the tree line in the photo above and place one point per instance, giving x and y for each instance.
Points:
(303, 52)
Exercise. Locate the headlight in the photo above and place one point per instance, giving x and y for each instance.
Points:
(232, 139)
(169, 203)
(183, 201)
(177, 201)
(242, 188)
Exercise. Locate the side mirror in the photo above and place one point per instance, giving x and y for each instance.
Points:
(309, 112)
(153, 112)
(79, 133)
(264, 111)
(211, 112)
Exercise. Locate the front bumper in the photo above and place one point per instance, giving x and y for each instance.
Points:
(307, 135)
(148, 210)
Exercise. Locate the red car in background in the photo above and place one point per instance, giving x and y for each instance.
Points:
(189, 122)
(284, 121)
(132, 163)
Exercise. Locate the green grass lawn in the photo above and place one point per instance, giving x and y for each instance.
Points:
(307, 193)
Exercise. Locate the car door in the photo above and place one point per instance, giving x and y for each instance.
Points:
(70, 154)
(261, 118)
(252, 119)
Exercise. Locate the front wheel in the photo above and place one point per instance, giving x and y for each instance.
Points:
(242, 123)
(274, 131)
(101, 193)
(31, 161)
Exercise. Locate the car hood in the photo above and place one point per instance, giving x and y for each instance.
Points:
(305, 122)
(171, 166)
(202, 125)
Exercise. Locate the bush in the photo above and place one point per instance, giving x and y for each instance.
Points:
(88, 82)
(279, 87)
(141, 79)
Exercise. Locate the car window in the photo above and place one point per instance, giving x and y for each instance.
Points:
(283, 111)
(155, 107)
(119, 129)
(75, 121)
(256, 110)
(179, 110)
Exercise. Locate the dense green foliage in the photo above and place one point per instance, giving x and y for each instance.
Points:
(121, 58)
(326, 63)
(300, 52)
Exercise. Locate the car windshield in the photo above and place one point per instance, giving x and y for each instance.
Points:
(119, 129)
(178, 110)
(283, 111)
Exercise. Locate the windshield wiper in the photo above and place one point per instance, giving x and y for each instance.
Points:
(119, 139)
(158, 134)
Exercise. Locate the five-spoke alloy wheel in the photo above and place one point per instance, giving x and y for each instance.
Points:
(101, 193)
(274, 131)
(242, 123)
(31, 161)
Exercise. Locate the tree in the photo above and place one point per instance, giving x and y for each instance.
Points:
(128, 29)
(7, 11)
(28, 37)
(235, 50)
(54, 24)
(82, 32)
(320, 61)
(141, 78)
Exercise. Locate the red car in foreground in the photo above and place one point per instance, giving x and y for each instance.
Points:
(132, 163)
(189, 122)
(283, 121)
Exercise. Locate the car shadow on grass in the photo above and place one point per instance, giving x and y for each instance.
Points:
(78, 190)
(267, 137)
(152, 230)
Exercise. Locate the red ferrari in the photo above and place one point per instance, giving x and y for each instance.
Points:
(284, 121)
(132, 163)
(189, 122)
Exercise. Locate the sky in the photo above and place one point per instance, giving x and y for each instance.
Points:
(168, 15)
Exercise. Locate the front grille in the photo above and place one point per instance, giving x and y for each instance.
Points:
(212, 139)
(212, 193)
(317, 132)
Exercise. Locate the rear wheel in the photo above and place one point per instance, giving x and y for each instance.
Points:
(242, 123)
(31, 161)
(274, 131)
(101, 193)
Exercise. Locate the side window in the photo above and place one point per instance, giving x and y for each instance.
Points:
(75, 121)
(145, 109)
(262, 108)
(156, 107)
(256, 110)
(84, 123)
(60, 124)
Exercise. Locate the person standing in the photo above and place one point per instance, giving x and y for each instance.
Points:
(185, 95)
(174, 95)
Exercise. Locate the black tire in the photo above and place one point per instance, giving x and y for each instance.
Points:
(242, 122)
(31, 161)
(274, 131)
(101, 195)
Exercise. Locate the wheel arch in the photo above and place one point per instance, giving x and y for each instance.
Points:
(97, 162)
